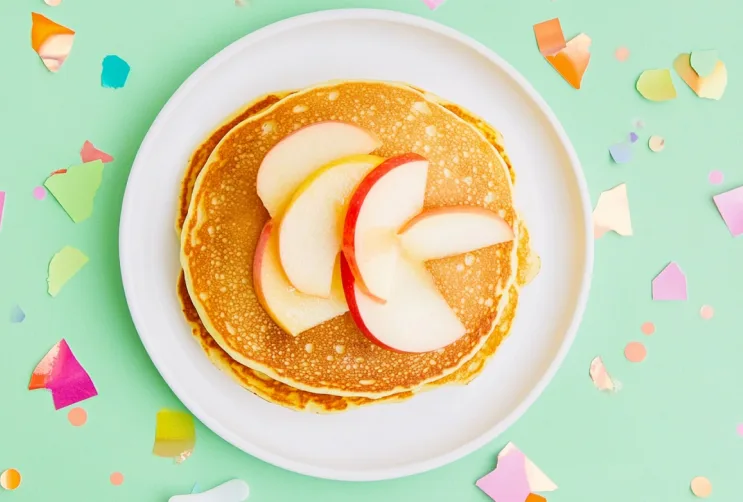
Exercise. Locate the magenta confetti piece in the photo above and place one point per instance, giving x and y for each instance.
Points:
(2, 207)
(433, 4)
(670, 284)
(61, 374)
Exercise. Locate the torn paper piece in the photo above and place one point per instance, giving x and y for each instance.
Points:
(235, 490)
(538, 481)
(533, 497)
(75, 189)
(710, 87)
(600, 376)
(17, 315)
(508, 482)
(89, 153)
(730, 206)
(656, 85)
(63, 267)
(670, 284)
(51, 41)
(175, 434)
(621, 153)
(10, 479)
(114, 72)
(703, 62)
(572, 61)
(612, 212)
(62, 375)
(2, 208)
(550, 38)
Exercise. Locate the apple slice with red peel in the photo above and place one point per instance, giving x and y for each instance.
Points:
(293, 311)
(390, 195)
(311, 229)
(304, 151)
(450, 231)
(415, 318)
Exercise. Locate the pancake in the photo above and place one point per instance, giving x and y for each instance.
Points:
(225, 217)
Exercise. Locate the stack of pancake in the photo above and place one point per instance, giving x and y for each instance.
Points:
(333, 367)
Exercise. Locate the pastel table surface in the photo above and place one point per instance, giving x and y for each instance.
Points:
(674, 419)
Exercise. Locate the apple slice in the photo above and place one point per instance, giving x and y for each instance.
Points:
(311, 228)
(415, 318)
(304, 151)
(450, 231)
(389, 196)
(293, 311)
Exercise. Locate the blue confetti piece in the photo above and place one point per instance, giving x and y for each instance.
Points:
(115, 72)
(196, 488)
(621, 153)
(633, 137)
(17, 315)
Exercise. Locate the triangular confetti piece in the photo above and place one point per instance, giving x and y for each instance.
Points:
(656, 85)
(61, 373)
(51, 41)
(63, 267)
(75, 189)
(572, 61)
(175, 434)
(17, 315)
(89, 153)
(612, 212)
(670, 284)
(710, 87)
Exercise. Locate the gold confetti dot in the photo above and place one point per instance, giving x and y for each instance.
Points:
(10, 479)
(701, 487)
(656, 143)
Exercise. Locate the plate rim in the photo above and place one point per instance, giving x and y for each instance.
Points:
(375, 474)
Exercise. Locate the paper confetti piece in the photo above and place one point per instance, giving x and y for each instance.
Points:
(633, 137)
(196, 489)
(730, 206)
(114, 72)
(647, 328)
(550, 38)
(17, 315)
(707, 312)
(703, 62)
(75, 190)
(52, 3)
(656, 85)
(90, 153)
(701, 487)
(507, 483)
(533, 497)
(61, 374)
(600, 376)
(51, 41)
(670, 284)
(612, 212)
(63, 267)
(621, 153)
(656, 144)
(175, 434)
(235, 490)
(710, 87)
(10, 479)
(2, 207)
(622, 54)
(538, 481)
(635, 352)
(77, 417)
(716, 177)
(117, 479)
(572, 61)
(39, 193)
(433, 4)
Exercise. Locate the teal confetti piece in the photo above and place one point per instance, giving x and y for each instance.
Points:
(115, 72)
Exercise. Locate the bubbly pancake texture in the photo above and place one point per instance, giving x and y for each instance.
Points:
(226, 216)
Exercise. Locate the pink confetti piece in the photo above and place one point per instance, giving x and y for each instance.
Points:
(707, 312)
(433, 4)
(622, 54)
(2, 207)
(600, 376)
(647, 328)
(716, 177)
(538, 481)
(60, 373)
(508, 482)
(739, 429)
(730, 205)
(670, 284)
(39, 193)
(89, 153)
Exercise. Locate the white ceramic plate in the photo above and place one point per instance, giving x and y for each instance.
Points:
(435, 428)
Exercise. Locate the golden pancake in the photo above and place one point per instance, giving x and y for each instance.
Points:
(225, 217)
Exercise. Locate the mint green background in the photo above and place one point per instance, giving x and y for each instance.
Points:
(677, 414)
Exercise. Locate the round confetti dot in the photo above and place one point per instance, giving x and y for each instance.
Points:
(117, 478)
(716, 177)
(656, 143)
(707, 312)
(10, 479)
(635, 352)
(648, 328)
(622, 54)
(77, 417)
(701, 487)
(39, 193)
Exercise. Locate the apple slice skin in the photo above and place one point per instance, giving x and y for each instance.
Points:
(354, 211)
(462, 221)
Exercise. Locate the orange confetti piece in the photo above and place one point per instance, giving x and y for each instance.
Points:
(550, 37)
(533, 497)
(571, 62)
(635, 352)
(51, 41)
(10, 479)
(117, 479)
(710, 87)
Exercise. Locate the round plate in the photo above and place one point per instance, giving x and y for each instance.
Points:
(386, 441)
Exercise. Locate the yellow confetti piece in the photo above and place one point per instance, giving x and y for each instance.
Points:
(656, 143)
(63, 267)
(175, 434)
(10, 479)
(656, 85)
(711, 87)
(612, 212)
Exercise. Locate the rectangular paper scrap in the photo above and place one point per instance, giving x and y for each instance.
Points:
(550, 38)
(572, 61)
(63, 267)
(538, 480)
(60, 373)
(175, 434)
(730, 205)
(75, 189)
